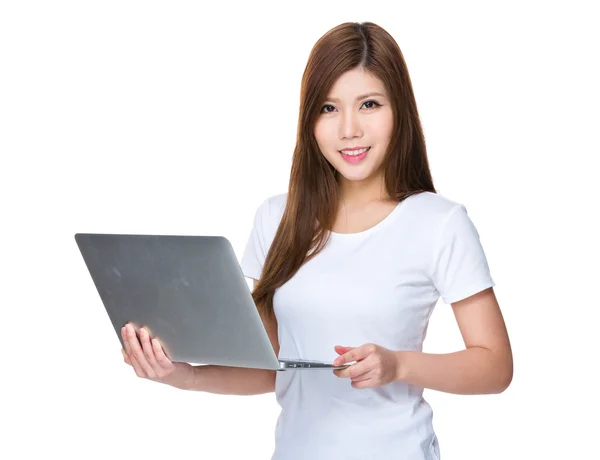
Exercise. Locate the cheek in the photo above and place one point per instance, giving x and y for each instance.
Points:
(381, 127)
(324, 141)
(321, 135)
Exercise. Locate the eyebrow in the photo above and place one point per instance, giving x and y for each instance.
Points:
(362, 96)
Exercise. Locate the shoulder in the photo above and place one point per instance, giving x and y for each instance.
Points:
(434, 207)
(270, 212)
(277, 202)
(434, 217)
(273, 207)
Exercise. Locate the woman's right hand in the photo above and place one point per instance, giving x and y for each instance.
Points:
(150, 362)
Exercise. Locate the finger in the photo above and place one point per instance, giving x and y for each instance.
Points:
(125, 357)
(134, 363)
(357, 370)
(161, 357)
(123, 352)
(353, 355)
(340, 348)
(342, 359)
(368, 383)
(366, 376)
(138, 353)
(149, 351)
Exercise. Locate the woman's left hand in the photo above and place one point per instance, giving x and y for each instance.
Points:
(375, 365)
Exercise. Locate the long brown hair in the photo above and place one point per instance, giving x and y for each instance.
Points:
(312, 198)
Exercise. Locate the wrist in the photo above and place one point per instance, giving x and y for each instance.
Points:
(401, 366)
(183, 378)
(190, 380)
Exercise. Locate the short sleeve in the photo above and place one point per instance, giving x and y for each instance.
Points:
(255, 251)
(459, 268)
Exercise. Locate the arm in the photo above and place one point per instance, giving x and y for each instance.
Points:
(238, 380)
(486, 366)
(232, 380)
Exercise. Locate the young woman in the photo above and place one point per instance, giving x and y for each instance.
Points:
(349, 264)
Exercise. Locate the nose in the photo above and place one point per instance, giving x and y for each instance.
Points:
(350, 126)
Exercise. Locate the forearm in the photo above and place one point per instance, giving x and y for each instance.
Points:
(227, 380)
(475, 370)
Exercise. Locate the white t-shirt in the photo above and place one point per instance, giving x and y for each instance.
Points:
(377, 286)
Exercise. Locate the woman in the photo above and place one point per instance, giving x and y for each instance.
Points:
(349, 264)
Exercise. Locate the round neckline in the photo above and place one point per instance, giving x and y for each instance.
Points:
(386, 220)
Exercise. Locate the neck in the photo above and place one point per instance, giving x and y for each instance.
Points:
(360, 193)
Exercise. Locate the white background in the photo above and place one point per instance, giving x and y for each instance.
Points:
(180, 118)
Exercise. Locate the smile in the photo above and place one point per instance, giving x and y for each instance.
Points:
(356, 155)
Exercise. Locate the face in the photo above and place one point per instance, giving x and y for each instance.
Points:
(348, 119)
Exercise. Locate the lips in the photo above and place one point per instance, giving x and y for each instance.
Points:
(352, 149)
(355, 158)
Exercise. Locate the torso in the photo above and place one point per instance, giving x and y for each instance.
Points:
(359, 289)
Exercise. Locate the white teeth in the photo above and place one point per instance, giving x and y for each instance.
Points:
(353, 153)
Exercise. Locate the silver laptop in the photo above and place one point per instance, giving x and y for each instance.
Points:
(189, 292)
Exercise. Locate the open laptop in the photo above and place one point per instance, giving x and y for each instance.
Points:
(189, 292)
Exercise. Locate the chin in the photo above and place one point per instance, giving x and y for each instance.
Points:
(354, 175)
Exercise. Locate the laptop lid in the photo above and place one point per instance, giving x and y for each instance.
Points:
(189, 292)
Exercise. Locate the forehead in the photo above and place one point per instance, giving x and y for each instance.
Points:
(355, 82)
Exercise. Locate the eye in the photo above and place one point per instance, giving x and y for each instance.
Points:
(374, 102)
(366, 102)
